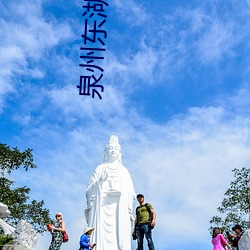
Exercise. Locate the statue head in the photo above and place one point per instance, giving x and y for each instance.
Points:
(4, 211)
(113, 150)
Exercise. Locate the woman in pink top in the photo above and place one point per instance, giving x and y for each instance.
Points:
(218, 240)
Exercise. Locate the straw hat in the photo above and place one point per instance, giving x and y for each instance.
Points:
(87, 229)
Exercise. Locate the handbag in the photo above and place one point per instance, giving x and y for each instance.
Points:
(65, 236)
(49, 227)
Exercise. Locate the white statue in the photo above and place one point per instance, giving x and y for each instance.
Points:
(110, 197)
(244, 242)
(25, 235)
(4, 212)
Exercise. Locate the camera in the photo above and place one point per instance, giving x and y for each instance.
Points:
(134, 235)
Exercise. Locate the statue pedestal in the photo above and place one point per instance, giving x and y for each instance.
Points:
(13, 247)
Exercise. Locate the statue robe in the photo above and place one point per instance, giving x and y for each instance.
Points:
(110, 197)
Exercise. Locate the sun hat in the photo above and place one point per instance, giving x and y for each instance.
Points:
(59, 213)
(87, 229)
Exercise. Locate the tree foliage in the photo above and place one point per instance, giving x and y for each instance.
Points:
(12, 159)
(17, 199)
(235, 207)
(6, 239)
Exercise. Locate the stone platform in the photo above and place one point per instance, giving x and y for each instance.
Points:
(13, 247)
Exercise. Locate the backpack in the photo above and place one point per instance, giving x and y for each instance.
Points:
(149, 212)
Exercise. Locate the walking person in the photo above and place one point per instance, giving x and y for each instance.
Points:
(219, 241)
(85, 239)
(144, 223)
(56, 231)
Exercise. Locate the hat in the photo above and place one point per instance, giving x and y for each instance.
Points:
(59, 213)
(140, 195)
(87, 229)
(237, 227)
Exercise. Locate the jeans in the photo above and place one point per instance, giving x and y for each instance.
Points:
(142, 230)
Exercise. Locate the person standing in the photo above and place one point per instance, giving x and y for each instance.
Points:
(218, 240)
(85, 239)
(56, 231)
(143, 225)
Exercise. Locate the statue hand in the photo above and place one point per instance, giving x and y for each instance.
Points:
(104, 176)
(132, 217)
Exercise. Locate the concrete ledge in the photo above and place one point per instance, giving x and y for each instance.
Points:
(13, 247)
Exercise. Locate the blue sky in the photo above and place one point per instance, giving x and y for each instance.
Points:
(176, 92)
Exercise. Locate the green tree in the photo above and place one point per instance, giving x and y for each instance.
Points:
(235, 207)
(17, 199)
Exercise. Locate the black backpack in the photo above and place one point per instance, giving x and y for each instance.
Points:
(150, 218)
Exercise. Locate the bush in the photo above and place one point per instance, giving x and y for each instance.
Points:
(6, 240)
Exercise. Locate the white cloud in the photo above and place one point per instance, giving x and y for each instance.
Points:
(143, 64)
(131, 12)
(198, 19)
(132, 71)
(72, 104)
(196, 33)
(217, 42)
(240, 101)
(25, 35)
